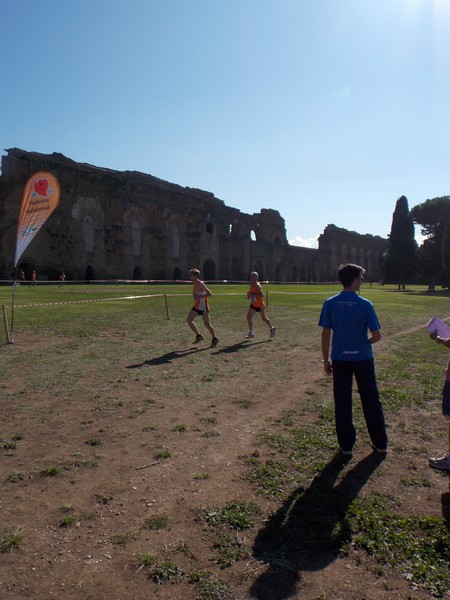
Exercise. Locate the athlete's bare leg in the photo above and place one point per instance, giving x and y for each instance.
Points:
(207, 322)
(190, 321)
(250, 314)
(264, 318)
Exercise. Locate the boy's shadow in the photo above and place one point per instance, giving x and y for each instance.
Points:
(239, 346)
(168, 357)
(309, 530)
(171, 356)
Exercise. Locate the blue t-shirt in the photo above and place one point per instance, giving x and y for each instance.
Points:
(350, 317)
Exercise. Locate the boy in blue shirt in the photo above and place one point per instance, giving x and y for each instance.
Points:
(350, 317)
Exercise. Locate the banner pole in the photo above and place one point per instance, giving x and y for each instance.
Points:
(5, 320)
(11, 337)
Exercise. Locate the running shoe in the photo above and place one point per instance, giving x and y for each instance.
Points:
(272, 332)
(214, 342)
(442, 463)
(198, 338)
(249, 335)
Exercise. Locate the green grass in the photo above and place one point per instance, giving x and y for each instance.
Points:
(156, 522)
(237, 515)
(415, 544)
(11, 539)
(91, 329)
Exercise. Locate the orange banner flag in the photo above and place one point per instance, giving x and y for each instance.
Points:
(40, 198)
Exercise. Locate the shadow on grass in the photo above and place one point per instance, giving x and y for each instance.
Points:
(168, 357)
(309, 530)
(239, 346)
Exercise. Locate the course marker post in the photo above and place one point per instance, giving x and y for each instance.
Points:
(167, 307)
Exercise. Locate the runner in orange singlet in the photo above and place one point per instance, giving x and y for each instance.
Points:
(201, 307)
(256, 297)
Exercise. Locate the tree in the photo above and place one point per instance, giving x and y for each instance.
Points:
(434, 217)
(399, 260)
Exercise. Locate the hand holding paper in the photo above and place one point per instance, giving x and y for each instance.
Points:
(437, 325)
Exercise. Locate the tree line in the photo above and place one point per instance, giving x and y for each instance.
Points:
(404, 261)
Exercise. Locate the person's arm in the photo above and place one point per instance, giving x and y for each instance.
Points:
(203, 290)
(375, 337)
(326, 338)
(440, 340)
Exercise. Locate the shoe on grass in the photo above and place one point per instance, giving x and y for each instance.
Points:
(345, 452)
(250, 335)
(214, 342)
(272, 332)
(442, 463)
(198, 338)
(379, 450)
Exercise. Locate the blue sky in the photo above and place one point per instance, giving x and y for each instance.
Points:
(326, 110)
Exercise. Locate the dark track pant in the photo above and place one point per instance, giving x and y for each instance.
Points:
(364, 373)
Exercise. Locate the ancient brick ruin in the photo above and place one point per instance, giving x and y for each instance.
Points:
(129, 225)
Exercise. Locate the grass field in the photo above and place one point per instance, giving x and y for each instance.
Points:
(104, 379)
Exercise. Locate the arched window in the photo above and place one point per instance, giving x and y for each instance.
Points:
(90, 274)
(136, 236)
(209, 269)
(209, 228)
(88, 233)
(253, 235)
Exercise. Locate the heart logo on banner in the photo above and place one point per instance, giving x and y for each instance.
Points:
(41, 186)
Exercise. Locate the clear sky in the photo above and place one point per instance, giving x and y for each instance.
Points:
(326, 110)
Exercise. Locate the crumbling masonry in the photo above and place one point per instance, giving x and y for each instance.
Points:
(129, 225)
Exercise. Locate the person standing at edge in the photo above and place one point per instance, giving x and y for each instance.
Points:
(256, 297)
(201, 294)
(350, 317)
(444, 461)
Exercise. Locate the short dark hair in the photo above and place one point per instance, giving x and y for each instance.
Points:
(194, 272)
(349, 272)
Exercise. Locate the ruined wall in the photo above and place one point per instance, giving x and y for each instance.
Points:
(129, 225)
(338, 246)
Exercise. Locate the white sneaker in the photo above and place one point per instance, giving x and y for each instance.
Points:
(272, 332)
(249, 335)
(442, 463)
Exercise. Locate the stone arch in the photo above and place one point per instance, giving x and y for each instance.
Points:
(237, 269)
(177, 273)
(277, 273)
(89, 274)
(209, 228)
(259, 268)
(136, 236)
(209, 269)
(137, 274)
(176, 238)
(89, 233)
(27, 265)
(176, 241)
